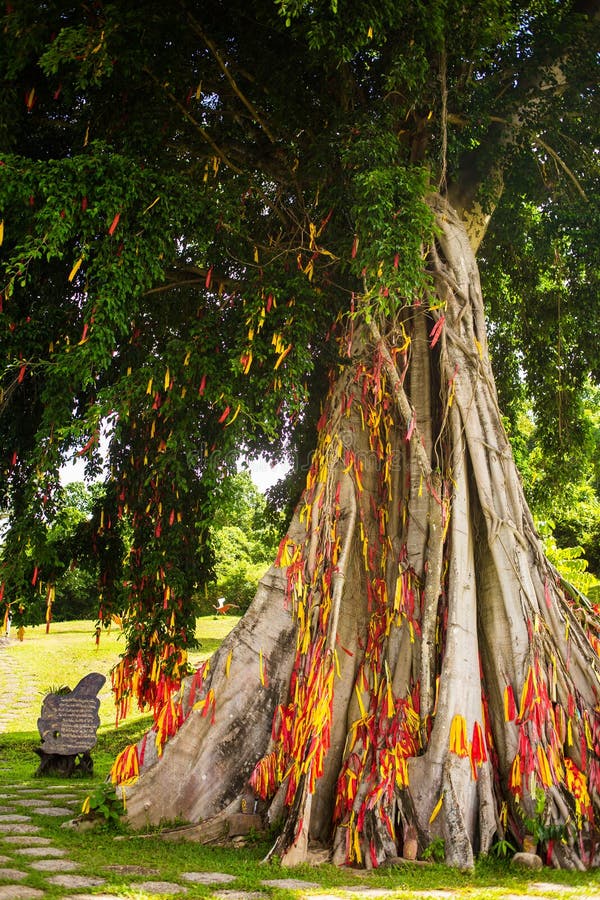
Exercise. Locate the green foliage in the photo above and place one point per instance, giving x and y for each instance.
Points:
(392, 221)
(245, 536)
(59, 543)
(573, 567)
(538, 824)
(194, 197)
(59, 689)
(562, 489)
(103, 804)
(436, 850)
(502, 848)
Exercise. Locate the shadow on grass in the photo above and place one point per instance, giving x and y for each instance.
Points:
(20, 761)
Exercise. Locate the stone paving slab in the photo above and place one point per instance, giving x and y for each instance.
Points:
(24, 790)
(26, 801)
(54, 865)
(19, 892)
(207, 877)
(361, 892)
(18, 828)
(95, 897)
(40, 851)
(14, 817)
(386, 893)
(7, 809)
(53, 787)
(530, 897)
(131, 870)
(5, 859)
(29, 840)
(52, 811)
(240, 895)
(16, 791)
(290, 884)
(160, 887)
(12, 874)
(552, 888)
(76, 881)
(324, 897)
(438, 895)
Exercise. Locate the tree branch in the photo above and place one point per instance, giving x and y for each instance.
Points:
(199, 128)
(530, 86)
(226, 72)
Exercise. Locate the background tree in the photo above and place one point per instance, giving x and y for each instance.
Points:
(75, 580)
(245, 534)
(64, 547)
(205, 211)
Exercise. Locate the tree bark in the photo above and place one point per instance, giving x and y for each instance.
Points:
(411, 658)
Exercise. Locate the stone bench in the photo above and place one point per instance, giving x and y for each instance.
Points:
(67, 725)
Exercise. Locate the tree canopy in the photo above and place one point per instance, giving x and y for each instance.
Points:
(193, 199)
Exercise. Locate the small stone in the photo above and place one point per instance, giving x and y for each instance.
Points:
(19, 892)
(12, 874)
(54, 865)
(81, 823)
(76, 881)
(160, 887)
(527, 860)
(207, 877)
(290, 884)
(52, 811)
(40, 851)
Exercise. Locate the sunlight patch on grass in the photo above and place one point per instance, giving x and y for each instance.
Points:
(68, 653)
(43, 662)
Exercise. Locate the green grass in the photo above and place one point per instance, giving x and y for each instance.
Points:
(67, 654)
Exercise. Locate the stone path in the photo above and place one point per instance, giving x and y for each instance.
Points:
(14, 700)
(26, 854)
(25, 851)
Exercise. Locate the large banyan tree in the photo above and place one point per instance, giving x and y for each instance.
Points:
(217, 216)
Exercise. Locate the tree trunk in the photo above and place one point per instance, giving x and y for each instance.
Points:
(411, 660)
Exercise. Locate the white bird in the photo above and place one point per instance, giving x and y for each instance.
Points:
(223, 607)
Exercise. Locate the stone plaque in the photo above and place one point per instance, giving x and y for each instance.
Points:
(68, 722)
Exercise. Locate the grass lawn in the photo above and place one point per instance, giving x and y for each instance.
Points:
(68, 652)
(63, 657)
